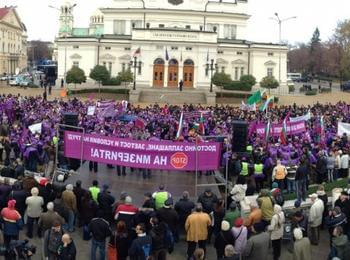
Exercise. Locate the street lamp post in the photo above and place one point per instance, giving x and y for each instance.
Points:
(65, 38)
(211, 67)
(135, 65)
(280, 21)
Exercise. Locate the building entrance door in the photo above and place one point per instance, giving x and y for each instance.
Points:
(158, 73)
(188, 74)
(173, 73)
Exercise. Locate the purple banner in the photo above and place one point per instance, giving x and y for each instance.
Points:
(163, 155)
(293, 128)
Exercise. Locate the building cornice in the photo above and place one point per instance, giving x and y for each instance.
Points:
(172, 11)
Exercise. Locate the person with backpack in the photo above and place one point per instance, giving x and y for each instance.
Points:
(277, 194)
(140, 248)
(222, 239)
(52, 241)
(100, 230)
(158, 235)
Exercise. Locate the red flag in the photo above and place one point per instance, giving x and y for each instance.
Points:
(283, 135)
(140, 123)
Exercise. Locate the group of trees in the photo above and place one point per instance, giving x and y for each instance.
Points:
(100, 74)
(330, 58)
(223, 80)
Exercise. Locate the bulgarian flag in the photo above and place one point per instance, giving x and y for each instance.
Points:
(268, 101)
(179, 129)
(200, 126)
(283, 136)
(267, 131)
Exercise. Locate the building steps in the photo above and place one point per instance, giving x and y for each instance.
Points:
(174, 97)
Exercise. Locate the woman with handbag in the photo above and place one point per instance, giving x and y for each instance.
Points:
(119, 243)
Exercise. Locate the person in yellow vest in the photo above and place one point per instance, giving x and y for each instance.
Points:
(244, 169)
(95, 190)
(259, 176)
(279, 174)
(160, 196)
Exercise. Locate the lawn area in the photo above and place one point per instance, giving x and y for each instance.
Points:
(341, 183)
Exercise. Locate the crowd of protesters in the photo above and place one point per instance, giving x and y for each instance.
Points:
(269, 168)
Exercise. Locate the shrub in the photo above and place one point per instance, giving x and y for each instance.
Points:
(249, 80)
(326, 90)
(291, 88)
(114, 81)
(237, 85)
(75, 75)
(269, 82)
(221, 79)
(99, 73)
(312, 92)
(103, 90)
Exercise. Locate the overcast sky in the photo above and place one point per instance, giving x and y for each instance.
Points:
(42, 21)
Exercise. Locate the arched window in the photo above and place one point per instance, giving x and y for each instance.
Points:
(158, 61)
(173, 62)
(189, 62)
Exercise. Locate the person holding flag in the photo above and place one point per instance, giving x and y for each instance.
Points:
(283, 135)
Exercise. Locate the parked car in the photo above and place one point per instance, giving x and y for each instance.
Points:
(345, 86)
(304, 79)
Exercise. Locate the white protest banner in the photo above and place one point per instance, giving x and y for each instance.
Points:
(91, 110)
(305, 117)
(36, 128)
(343, 128)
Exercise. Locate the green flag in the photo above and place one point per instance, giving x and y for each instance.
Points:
(255, 98)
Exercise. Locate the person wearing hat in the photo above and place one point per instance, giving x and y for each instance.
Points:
(223, 238)
(232, 214)
(70, 203)
(105, 203)
(168, 215)
(12, 222)
(315, 218)
(148, 202)
(340, 244)
(240, 234)
(302, 246)
(196, 227)
(160, 196)
(335, 218)
(257, 247)
(276, 229)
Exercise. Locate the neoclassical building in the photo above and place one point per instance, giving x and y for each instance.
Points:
(13, 42)
(178, 39)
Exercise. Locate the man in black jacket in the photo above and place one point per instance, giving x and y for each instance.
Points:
(169, 216)
(300, 180)
(105, 202)
(344, 204)
(158, 235)
(184, 208)
(79, 193)
(100, 230)
(141, 246)
(321, 167)
(208, 200)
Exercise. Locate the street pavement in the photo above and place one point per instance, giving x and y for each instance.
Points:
(176, 183)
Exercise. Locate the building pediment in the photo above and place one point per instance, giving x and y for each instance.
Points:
(221, 61)
(107, 57)
(125, 57)
(270, 63)
(239, 61)
(75, 56)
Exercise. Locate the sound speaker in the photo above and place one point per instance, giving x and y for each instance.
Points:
(239, 136)
(70, 118)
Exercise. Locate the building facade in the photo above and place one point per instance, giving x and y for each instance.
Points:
(13, 42)
(177, 39)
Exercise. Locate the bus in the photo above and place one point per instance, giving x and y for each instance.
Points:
(294, 76)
